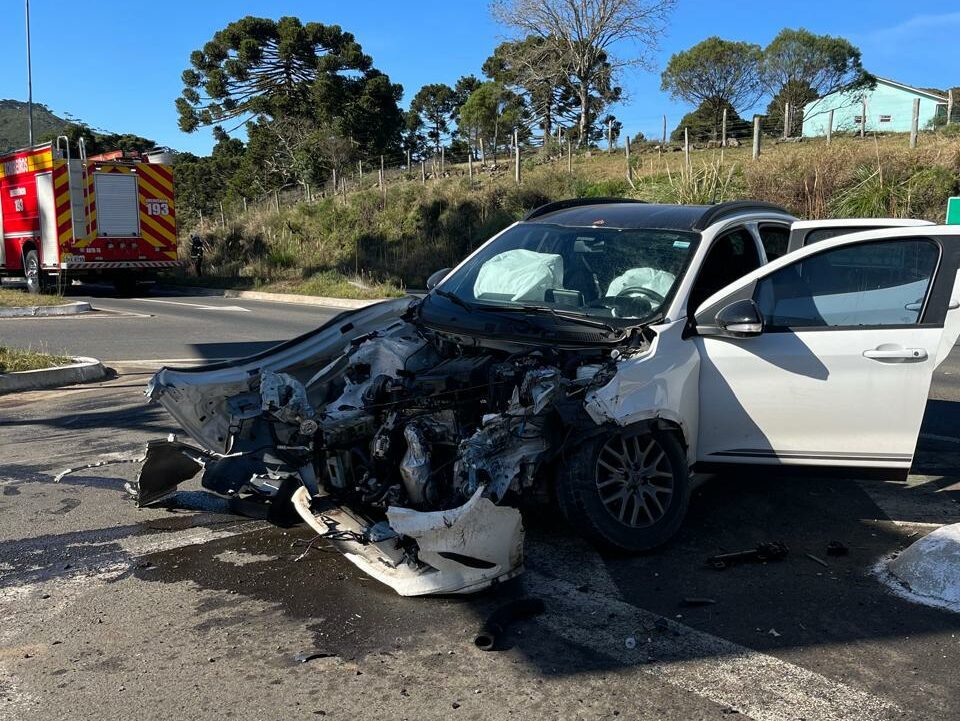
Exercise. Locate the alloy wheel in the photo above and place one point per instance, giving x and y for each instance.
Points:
(634, 479)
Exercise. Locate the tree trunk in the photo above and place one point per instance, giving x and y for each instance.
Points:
(547, 125)
(583, 140)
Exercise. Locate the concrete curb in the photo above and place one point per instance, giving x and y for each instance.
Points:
(45, 311)
(348, 303)
(83, 370)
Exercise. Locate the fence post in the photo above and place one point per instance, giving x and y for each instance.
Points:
(626, 149)
(863, 116)
(723, 130)
(949, 105)
(756, 137)
(335, 186)
(423, 172)
(408, 160)
(360, 169)
(343, 185)
(276, 199)
(915, 122)
(470, 162)
(244, 203)
(663, 140)
(686, 148)
(483, 154)
(829, 127)
(443, 159)
(609, 136)
(223, 221)
(569, 155)
(786, 119)
(516, 155)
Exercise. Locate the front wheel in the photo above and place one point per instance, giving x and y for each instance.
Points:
(626, 490)
(32, 272)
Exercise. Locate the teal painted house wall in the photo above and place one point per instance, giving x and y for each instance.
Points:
(889, 110)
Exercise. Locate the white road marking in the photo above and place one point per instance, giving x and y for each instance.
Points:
(756, 684)
(194, 305)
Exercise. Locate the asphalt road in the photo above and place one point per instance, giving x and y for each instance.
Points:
(164, 324)
(184, 611)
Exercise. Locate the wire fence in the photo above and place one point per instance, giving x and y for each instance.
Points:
(560, 152)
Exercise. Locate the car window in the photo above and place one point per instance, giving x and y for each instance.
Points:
(732, 256)
(818, 234)
(775, 239)
(867, 284)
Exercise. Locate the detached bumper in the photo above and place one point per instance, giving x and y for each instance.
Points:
(458, 551)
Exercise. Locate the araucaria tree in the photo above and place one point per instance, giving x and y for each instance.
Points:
(583, 34)
(433, 107)
(715, 74)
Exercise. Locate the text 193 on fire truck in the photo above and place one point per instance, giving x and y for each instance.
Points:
(108, 215)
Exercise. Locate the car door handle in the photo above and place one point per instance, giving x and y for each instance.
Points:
(896, 354)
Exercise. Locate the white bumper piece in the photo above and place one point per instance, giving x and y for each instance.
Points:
(458, 551)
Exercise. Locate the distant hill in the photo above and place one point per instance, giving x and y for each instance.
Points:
(13, 123)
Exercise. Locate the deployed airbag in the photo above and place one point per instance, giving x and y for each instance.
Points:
(519, 275)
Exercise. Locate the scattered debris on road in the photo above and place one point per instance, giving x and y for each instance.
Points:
(500, 620)
(770, 551)
(837, 548)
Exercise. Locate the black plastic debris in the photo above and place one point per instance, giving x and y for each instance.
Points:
(771, 551)
(499, 620)
(306, 656)
(837, 548)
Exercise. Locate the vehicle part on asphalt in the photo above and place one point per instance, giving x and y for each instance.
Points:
(818, 560)
(698, 601)
(498, 622)
(770, 551)
(837, 548)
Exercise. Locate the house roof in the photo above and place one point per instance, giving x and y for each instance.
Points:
(934, 95)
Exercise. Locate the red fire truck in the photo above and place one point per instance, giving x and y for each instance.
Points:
(64, 217)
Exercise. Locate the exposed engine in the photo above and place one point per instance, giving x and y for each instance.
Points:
(421, 423)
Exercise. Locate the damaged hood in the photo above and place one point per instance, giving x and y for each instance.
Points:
(204, 399)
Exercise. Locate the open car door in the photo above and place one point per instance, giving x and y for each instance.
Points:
(805, 232)
(824, 357)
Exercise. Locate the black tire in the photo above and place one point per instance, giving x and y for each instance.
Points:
(637, 508)
(33, 273)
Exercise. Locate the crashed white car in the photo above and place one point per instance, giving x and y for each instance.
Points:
(587, 359)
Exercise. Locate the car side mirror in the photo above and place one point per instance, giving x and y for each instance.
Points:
(434, 280)
(740, 319)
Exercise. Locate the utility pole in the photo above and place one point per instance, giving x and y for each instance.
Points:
(29, 79)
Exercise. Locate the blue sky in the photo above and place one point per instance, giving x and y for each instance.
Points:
(121, 72)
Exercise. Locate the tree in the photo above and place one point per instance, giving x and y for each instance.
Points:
(432, 108)
(490, 112)
(533, 68)
(583, 31)
(98, 142)
(798, 62)
(715, 74)
(702, 123)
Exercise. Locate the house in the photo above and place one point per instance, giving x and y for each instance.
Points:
(889, 109)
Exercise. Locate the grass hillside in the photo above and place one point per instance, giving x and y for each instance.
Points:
(13, 123)
(400, 238)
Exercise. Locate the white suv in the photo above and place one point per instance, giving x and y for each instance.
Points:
(589, 357)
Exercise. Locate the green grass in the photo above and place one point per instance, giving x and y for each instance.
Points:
(14, 360)
(327, 283)
(15, 298)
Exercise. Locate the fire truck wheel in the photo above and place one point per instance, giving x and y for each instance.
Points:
(32, 272)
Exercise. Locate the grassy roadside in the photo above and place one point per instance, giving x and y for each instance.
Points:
(16, 298)
(14, 360)
(330, 284)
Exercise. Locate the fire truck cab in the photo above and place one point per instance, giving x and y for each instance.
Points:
(63, 218)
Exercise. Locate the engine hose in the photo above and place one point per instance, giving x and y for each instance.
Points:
(500, 620)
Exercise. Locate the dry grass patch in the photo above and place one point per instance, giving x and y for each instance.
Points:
(16, 298)
(14, 360)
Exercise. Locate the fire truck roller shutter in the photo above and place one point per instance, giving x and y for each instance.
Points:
(118, 210)
(47, 209)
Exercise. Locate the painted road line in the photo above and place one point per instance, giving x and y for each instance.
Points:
(199, 306)
(758, 685)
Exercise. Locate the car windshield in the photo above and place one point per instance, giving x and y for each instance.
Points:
(608, 273)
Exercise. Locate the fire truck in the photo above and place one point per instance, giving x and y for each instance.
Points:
(63, 218)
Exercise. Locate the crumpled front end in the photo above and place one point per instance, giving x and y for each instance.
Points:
(408, 450)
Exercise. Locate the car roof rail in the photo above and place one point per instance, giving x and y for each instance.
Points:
(721, 210)
(575, 203)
